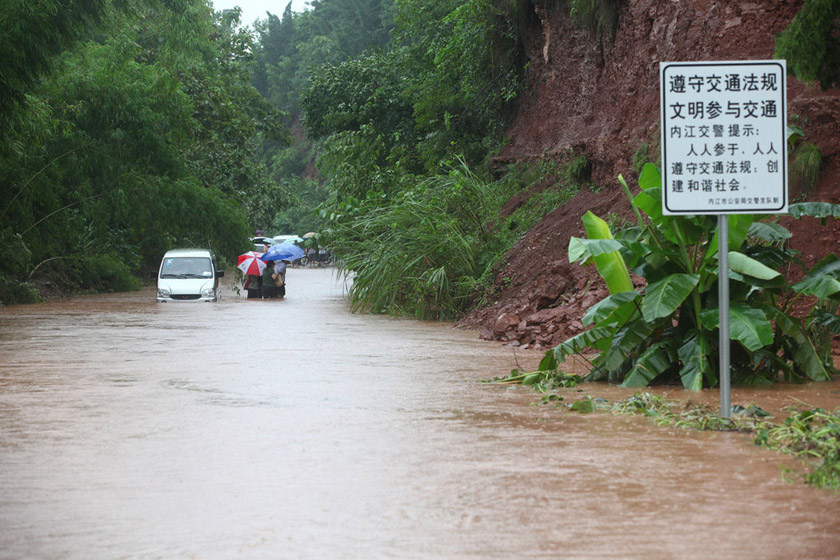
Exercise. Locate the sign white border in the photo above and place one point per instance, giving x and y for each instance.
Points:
(724, 137)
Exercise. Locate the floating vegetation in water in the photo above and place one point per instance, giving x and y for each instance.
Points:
(812, 434)
(541, 380)
(548, 377)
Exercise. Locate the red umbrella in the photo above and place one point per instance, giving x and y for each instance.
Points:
(250, 263)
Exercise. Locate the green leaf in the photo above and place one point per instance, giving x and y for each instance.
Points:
(794, 133)
(814, 210)
(694, 355)
(549, 362)
(650, 178)
(584, 249)
(739, 227)
(598, 338)
(611, 265)
(652, 363)
(748, 266)
(823, 280)
(747, 325)
(532, 378)
(616, 308)
(802, 351)
(584, 405)
(626, 343)
(650, 202)
(769, 232)
(829, 265)
(665, 296)
(824, 319)
(822, 287)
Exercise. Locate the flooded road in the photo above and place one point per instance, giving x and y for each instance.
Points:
(292, 429)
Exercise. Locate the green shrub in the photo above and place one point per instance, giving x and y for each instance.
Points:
(810, 43)
(667, 329)
(105, 273)
(423, 254)
(805, 167)
(13, 290)
(579, 170)
(599, 17)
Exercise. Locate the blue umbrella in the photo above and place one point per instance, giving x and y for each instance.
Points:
(283, 252)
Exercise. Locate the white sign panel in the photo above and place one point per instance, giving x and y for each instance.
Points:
(724, 141)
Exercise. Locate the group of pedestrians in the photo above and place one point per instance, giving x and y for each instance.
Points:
(271, 283)
(274, 280)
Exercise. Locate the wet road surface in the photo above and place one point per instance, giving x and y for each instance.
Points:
(292, 429)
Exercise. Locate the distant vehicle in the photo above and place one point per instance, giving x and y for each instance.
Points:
(189, 275)
(285, 238)
(259, 242)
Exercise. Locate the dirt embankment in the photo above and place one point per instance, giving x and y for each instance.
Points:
(600, 98)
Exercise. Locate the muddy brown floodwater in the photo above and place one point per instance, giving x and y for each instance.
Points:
(292, 429)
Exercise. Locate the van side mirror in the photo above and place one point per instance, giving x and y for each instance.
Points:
(220, 273)
(153, 274)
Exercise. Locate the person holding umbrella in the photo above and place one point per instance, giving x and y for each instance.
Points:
(279, 277)
(280, 255)
(252, 267)
(268, 290)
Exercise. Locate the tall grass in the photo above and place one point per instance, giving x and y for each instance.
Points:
(422, 254)
(433, 251)
(599, 17)
(805, 167)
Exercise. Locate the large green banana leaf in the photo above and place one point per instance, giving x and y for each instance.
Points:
(651, 363)
(770, 232)
(625, 343)
(748, 266)
(804, 355)
(747, 325)
(694, 355)
(585, 249)
(665, 296)
(598, 339)
(613, 309)
(611, 266)
(823, 280)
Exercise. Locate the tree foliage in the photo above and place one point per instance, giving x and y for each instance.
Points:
(132, 142)
(811, 43)
(33, 34)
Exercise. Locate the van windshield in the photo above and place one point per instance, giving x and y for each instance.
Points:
(186, 267)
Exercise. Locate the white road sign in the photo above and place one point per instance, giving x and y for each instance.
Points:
(724, 137)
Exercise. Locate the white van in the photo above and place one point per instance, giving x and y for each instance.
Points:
(189, 275)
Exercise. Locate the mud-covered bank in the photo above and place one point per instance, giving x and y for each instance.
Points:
(599, 98)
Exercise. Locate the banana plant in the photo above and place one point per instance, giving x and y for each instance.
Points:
(667, 328)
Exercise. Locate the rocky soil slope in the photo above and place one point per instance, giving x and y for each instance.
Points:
(600, 98)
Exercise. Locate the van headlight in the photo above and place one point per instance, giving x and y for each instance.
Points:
(163, 293)
(208, 293)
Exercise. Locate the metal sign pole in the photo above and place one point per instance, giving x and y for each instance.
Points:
(723, 307)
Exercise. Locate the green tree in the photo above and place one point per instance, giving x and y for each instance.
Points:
(32, 35)
(464, 60)
(811, 43)
(146, 139)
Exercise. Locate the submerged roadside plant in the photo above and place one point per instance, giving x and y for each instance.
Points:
(813, 434)
(668, 329)
(547, 378)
